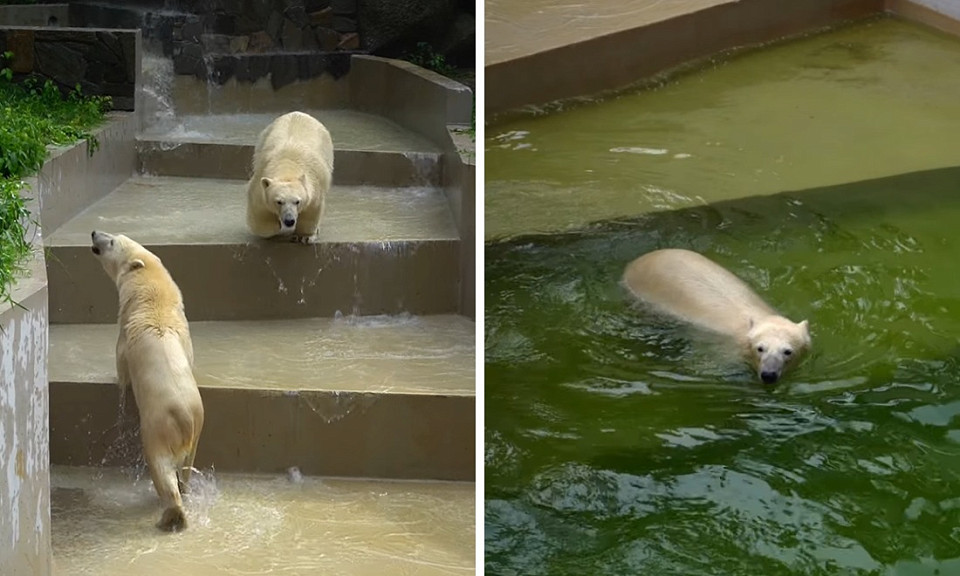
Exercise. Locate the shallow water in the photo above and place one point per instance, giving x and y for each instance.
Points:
(621, 444)
(862, 102)
(103, 524)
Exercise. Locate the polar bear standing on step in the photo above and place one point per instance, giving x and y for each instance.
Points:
(292, 173)
(155, 357)
(692, 288)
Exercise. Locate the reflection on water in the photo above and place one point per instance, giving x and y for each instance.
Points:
(616, 444)
(103, 525)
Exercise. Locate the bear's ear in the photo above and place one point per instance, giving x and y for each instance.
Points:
(265, 183)
(135, 264)
(805, 325)
(303, 180)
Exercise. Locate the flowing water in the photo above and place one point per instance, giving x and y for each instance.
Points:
(826, 173)
(244, 524)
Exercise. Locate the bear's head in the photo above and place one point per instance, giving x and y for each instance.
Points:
(283, 198)
(119, 255)
(775, 344)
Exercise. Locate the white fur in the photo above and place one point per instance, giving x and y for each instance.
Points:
(694, 289)
(292, 173)
(155, 358)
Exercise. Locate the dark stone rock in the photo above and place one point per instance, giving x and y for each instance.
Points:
(459, 47)
(252, 68)
(60, 63)
(338, 64)
(123, 102)
(349, 41)
(283, 70)
(21, 43)
(215, 43)
(192, 31)
(109, 41)
(190, 61)
(224, 24)
(327, 38)
(310, 43)
(393, 27)
(224, 67)
(297, 15)
(311, 65)
(315, 5)
(274, 25)
(344, 24)
(292, 36)
(344, 7)
(259, 42)
(322, 17)
(97, 70)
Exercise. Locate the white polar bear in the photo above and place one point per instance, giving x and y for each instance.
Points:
(155, 357)
(292, 173)
(692, 288)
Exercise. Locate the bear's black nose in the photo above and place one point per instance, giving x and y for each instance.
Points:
(289, 222)
(768, 377)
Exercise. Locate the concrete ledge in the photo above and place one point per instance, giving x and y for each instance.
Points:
(944, 16)
(35, 15)
(75, 177)
(619, 59)
(272, 280)
(415, 98)
(351, 167)
(459, 182)
(323, 433)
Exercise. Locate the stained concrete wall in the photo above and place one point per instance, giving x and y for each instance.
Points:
(941, 14)
(71, 178)
(24, 432)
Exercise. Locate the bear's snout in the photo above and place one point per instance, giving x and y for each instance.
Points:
(769, 376)
(289, 222)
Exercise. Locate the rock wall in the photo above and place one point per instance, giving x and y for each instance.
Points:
(101, 62)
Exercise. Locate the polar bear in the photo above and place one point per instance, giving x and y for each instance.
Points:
(155, 357)
(292, 173)
(694, 289)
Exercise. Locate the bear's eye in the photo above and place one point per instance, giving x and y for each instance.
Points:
(296, 202)
(111, 243)
(760, 349)
(787, 352)
(279, 202)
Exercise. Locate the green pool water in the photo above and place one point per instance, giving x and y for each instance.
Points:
(621, 444)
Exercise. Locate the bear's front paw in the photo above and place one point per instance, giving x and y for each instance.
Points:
(299, 239)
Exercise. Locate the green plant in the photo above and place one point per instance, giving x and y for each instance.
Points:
(14, 246)
(33, 116)
(426, 57)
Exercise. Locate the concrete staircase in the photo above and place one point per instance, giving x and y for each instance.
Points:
(351, 358)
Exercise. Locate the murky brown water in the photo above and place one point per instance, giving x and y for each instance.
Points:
(103, 525)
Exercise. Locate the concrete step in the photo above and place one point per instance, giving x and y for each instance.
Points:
(102, 525)
(386, 397)
(369, 149)
(381, 251)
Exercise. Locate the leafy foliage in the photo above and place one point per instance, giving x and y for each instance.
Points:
(33, 116)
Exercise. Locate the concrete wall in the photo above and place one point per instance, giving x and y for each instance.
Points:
(617, 59)
(941, 14)
(24, 432)
(459, 182)
(417, 99)
(35, 15)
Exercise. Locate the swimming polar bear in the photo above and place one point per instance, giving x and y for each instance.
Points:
(694, 289)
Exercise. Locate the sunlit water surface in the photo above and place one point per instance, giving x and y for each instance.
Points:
(826, 173)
